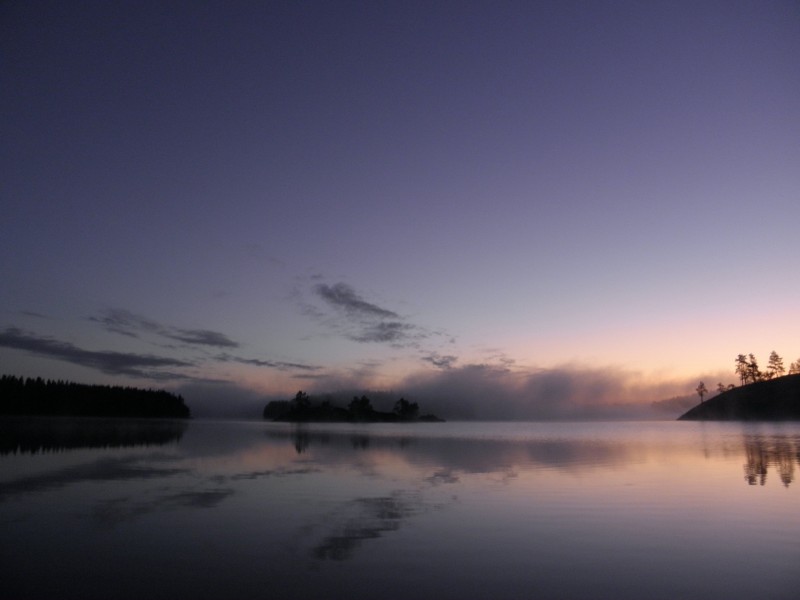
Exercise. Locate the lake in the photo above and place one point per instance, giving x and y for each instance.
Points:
(225, 509)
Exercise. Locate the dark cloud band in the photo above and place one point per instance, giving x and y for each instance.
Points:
(273, 364)
(127, 323)
(114, 363)
(362, 321)
(344, 297)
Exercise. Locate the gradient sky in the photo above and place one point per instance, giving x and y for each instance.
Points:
(545, 204)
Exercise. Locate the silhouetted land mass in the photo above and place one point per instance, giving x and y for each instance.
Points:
(772, 400)
(34, 435)
(19, 396)
(302, 410)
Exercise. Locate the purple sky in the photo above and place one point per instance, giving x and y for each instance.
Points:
(552, 207)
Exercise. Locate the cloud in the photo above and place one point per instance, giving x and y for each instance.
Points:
(440, 361)
(384, 331)
(126, 323)
(344, 297)
(144, 366)
(498, 392)
(202, 337)
(130, 324)
(114, 363)
(362, 321)
(348, 314)
(274, 364)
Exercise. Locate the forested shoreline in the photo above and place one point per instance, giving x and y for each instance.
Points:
(38, 397)
(360, 410)
(775, 399)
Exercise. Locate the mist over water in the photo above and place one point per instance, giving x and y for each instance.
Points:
(481, 392)
(452, 510)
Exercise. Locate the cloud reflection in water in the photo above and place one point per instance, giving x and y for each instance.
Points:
(300, 511)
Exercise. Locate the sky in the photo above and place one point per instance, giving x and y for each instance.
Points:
(498, 209)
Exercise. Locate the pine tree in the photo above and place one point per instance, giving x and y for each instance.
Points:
(775, 366)
(701, 391)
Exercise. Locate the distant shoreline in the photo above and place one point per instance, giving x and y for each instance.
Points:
(302, 410)
(380, 418)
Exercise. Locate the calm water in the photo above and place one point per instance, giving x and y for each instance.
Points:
(131, 509)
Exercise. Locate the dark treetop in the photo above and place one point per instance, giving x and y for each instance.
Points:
(773, 400)
(20, 396)
(360, 410)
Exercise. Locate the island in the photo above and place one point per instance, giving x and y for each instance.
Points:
(301, 409)
(775, 399)
(36, 397)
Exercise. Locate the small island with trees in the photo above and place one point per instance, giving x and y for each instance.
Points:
(301, 409)
(769, 395)
(36, 397)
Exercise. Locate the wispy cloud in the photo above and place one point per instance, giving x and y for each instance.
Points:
(440, 361)
(384, 332)
(126, 323)
(193, 350)
(114, 363)
(362, 321)
(344, 297)
(130, 324)
(273, 364)
(202, 337)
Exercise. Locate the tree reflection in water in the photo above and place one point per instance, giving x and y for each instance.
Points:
(34, 435)
(301, 438)
(762, 453)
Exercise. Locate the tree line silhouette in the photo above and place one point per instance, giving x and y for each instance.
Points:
(360, 409)
(28, 396)
(748, 371)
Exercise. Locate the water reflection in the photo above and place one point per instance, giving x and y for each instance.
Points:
(301, 439)
(364, 519)
(111, 468)
(557, 511)
(40, 434)
(115, 511)
(459, 453)
(469, 455)
(762, 453)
